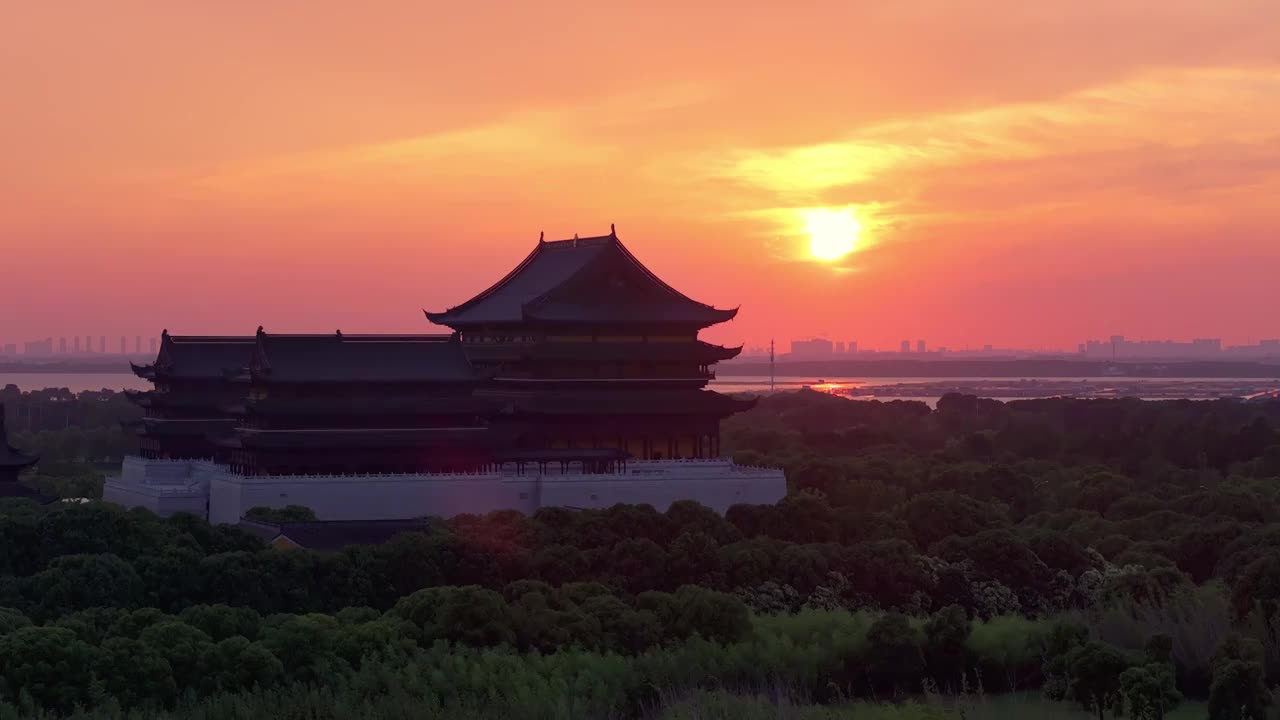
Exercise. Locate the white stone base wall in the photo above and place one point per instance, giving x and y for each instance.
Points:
(165, 487)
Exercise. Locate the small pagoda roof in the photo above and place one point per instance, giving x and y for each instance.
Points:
(582, 280)
(365, 438)
(333, 535)
(339, 358)
(632, 402)
(10, 458)
(152, 399)
(197, 357)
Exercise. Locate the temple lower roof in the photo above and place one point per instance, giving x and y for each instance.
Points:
(363, 438)
(365, 406)
(630, 402)
(338, 358)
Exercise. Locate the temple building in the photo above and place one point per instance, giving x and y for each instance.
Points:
(577, 380)
(12, 463)
(593, 351)
(195, 379)
(325, 404)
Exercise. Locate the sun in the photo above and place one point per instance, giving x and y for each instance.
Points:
(832, 233)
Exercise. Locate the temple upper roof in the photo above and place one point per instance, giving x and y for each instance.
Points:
(582, 280)
(197, 357)
(10, 457)
(339, 358)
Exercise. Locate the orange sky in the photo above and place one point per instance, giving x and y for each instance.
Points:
(1026, 173)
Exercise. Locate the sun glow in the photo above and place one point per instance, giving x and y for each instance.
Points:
(833, 233)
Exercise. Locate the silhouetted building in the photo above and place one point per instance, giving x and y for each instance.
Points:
(137, 344)
(198, 385)
(920, 347)
(13, 462)
(577, 380)
(814, 349)
(77, 344)
(905, 347)
(62, 346)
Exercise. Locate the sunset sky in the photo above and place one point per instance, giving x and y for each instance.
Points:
(1024, 173)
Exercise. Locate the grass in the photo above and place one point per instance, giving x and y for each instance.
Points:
(723, 705)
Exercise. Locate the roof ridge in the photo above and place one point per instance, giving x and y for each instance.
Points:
(494, 287)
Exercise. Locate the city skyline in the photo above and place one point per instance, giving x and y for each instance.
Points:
(965, 173)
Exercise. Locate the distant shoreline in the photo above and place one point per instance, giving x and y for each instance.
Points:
(1030, 368)
(22, 368)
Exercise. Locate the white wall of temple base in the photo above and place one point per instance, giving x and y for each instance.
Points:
(167, 486)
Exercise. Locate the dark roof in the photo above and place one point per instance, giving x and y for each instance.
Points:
(360, 358)
(634, 351)
(203, 427)
(152, 399)
(198, 357)
(333, 535)
(364, 406)
(371, 438)
(632, 402)
(9, 456)
(561, 455)
(581, 280)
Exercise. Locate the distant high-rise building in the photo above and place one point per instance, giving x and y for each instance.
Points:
(853, 347)
(840, 347)
(137, 345)
(77, 339)
(62, 346)
(11, 349)
(153, 346)
(905, 347)
(102, 344)
(124, 345)
(920, 347)
(88, 343)
(815, 348)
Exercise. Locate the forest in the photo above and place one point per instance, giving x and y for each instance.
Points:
(1120, 557)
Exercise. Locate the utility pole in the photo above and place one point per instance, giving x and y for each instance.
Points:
(770, 364)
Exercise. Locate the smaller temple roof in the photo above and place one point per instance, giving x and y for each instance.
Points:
(10, 458)
(343, 358)
(197, 357)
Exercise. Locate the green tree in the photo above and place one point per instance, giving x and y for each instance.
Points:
(237, 665)
(1149, 692)
(135, 673)
(77, 582)
(50, 664)
(893, 656)
(1093, 677)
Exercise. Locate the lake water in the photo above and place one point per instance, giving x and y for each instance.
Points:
(931, 388)
(75, 382)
